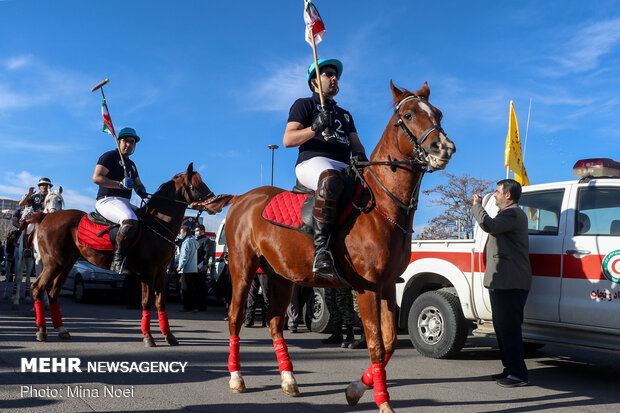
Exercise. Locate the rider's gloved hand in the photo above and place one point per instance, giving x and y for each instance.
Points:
(127, 183)
(322, 121)
(141, 192)
(359, 157)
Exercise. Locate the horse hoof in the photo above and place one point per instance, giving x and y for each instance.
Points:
(41, 336)
(386, 408)
(64, 335)
(172, 340)
(291, 389)
(149, 342)
(237, 385)
(354, 392)
(289, 384)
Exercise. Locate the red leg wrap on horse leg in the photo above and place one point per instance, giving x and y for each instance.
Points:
(233, 359)
(163, 322)
(146, 322)
(284, 361)
(367, 376)
(380, 385)
(56, 317)
(39, 311)
(27, 293)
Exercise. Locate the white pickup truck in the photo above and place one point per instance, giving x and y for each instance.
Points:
(574, 234)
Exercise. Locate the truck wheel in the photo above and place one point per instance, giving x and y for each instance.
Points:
(437, 327)
(317, 315)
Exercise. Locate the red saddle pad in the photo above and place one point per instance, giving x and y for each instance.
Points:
(87, 235)
(285, 209)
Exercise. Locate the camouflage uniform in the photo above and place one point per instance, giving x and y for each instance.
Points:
(340, 305)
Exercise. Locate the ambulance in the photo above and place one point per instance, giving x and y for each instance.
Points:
(574, 238)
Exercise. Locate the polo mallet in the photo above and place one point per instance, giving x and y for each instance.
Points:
(111, 126)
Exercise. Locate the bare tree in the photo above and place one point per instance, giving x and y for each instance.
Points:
(456, 198)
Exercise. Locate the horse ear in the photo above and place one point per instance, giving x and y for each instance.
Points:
(425, 92)
(60, 190)
(190, 169)
(397, 93)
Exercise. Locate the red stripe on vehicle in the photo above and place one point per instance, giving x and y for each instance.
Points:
(589, 267)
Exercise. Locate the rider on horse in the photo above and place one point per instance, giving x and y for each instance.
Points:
(115, 185)
(36, 200)
(326, 138)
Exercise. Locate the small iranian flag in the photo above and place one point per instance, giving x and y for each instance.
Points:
(107, 121)
(314, 24)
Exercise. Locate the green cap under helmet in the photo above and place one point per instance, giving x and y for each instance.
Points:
(128, 132)
(323, 62)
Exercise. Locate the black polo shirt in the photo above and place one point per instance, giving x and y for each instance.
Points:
(112, 161)
(338, 147)
(36, 201)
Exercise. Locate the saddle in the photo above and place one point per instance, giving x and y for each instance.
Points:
(293, 209)
(97, 232)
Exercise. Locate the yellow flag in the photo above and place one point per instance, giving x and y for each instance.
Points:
(513, 158)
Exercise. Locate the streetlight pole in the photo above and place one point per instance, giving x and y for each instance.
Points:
(273, 148)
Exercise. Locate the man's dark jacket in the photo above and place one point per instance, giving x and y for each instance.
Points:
(507, 257)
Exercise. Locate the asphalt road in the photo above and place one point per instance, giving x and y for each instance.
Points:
(563, 379)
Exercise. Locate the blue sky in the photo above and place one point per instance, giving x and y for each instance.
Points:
(211, 83)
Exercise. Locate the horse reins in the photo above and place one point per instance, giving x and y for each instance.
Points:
(420, 160)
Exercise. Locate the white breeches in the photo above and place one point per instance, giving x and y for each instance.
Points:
(308, 171)
(116, 209)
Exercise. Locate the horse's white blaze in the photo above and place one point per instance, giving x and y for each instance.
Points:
(426, 108)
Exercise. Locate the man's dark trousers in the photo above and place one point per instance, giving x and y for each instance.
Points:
(190, 284)
(507, 307)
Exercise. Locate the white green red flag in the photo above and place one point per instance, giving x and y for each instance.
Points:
(107, 121)
(314, 24)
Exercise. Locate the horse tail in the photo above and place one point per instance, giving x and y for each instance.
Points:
(215, 204)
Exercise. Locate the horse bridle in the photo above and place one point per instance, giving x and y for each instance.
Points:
(420, 159)
(418, 151)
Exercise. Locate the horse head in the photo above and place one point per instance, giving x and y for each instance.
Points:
(53, 201)
(189, 184)
(419, 134)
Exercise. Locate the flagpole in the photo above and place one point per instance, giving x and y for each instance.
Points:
(113, 133)
(316, 69)
(527, 127)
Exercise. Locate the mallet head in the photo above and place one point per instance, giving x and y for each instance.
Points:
(98, 85)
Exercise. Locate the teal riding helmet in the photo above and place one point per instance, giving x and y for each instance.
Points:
(130, 132)
(323, 62)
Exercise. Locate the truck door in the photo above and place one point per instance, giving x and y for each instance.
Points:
(590, 294)
(546, 229)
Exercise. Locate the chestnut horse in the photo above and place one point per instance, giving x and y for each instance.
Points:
(56, 236)
(372, 248)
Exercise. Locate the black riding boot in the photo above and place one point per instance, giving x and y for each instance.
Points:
(336, 337)
(323, 266)
(325, 215)
(361, 343)
(349, 338)
(124, 239)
